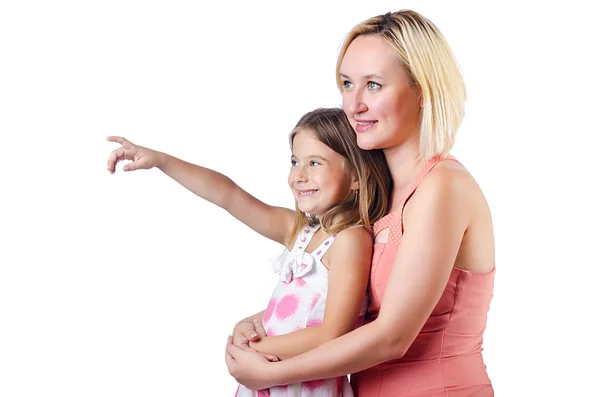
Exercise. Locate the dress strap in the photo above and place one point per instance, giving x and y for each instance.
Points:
(304, 237)
(322, 249)
(394, 221)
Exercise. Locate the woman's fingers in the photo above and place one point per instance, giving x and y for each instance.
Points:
(244, 333)
(258, 327)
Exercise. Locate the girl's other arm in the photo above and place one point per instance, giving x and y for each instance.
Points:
(350, 261)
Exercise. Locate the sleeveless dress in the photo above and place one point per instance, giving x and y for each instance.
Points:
(298, 302)
(445, 359)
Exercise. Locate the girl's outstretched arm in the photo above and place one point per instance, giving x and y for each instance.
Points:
(270, 221)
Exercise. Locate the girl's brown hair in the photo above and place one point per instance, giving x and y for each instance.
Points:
(332, 128)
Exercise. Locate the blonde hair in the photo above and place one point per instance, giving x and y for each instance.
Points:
(331, 127)
(430, 65)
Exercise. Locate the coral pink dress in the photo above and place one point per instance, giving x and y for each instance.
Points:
(445, 359)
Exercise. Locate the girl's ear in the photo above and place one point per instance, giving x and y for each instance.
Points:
(354, 185)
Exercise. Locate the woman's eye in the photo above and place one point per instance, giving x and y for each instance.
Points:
(346, 84)
(294, 163)
(313, 163)
(373, 86)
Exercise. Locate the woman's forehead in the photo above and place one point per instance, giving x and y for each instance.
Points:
(369, 56)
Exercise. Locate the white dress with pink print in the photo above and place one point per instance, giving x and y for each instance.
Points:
(299, 302)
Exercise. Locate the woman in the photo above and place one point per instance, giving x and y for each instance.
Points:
(433, 265)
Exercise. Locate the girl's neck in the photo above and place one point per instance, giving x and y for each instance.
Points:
(335, 219)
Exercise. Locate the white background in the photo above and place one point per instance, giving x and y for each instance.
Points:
(128, 285)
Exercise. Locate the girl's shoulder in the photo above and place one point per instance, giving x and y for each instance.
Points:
(353, 245)
(352, 235)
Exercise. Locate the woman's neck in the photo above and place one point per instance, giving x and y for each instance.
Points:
(404, 162)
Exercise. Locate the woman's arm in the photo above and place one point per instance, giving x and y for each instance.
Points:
(434, 226)
(270, 221)
(349, 264)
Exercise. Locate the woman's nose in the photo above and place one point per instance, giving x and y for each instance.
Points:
(356, 104)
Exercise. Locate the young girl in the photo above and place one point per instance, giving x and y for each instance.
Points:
(339, 191)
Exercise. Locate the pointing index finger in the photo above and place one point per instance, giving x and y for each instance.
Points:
(119, 139)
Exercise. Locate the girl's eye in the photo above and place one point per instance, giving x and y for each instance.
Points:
(313, 163)
(346, 84)
(373, 86)
(294, 163)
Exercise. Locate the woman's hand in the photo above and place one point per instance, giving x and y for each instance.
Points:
(250, 369)
(142, 158)
(250, 330)
(247, 332)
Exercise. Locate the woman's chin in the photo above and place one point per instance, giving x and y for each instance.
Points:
(367, 144)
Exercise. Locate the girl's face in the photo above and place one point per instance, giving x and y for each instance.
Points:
(378, 98)
(319, 176)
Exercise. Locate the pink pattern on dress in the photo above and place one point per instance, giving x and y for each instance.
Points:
(315, 300)
(287, 306)
(269, 311)
(300, 281)
(314, 384)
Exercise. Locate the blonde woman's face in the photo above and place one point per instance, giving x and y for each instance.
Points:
(381, 104)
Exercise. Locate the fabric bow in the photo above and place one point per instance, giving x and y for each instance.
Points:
(291, 265)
